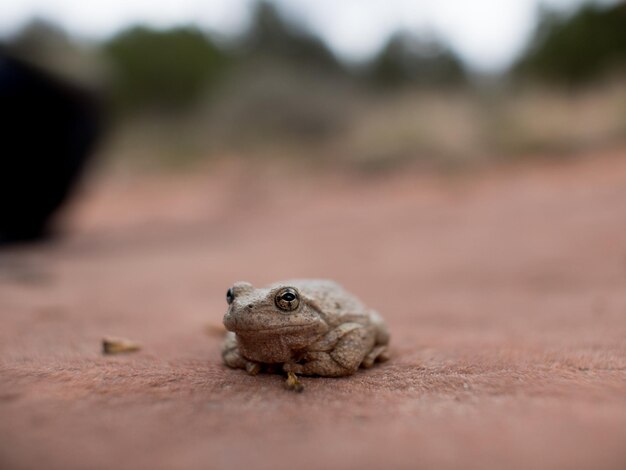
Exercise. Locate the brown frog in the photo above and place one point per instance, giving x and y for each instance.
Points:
(308, 327)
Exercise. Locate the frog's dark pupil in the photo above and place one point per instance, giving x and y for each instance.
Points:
(288, 297)
(229, 296)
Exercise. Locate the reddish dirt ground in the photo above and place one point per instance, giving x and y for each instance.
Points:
(505, 292)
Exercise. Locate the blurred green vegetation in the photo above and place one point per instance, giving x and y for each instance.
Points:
(182, 95)
(578, 48)
(174, 68)
(162, 69)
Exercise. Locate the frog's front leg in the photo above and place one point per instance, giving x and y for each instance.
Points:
(337, 354)
(233, 358)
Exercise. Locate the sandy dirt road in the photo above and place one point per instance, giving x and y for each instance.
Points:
(505, 292)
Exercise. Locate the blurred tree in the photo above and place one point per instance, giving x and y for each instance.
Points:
(273, 36)
(38, 34)
(408, 59)
(162, 69)
(578, 48)
(48, 46)
(287, 86)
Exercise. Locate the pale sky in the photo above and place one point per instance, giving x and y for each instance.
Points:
(486, 33)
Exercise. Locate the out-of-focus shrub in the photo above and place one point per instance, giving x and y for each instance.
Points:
(407, 59)
(162, 69)
(578, 48)
(264, 106)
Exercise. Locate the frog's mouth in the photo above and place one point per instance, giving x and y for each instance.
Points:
(278, 330)
(276, 345)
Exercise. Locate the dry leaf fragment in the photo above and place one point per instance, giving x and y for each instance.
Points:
(293, 383)
(119, 345)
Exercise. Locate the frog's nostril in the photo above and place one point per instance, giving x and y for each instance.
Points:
(250, 306)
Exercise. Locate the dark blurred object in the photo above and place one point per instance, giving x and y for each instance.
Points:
(49, 128)
(579, 48)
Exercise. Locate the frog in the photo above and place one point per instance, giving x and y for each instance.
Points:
(309, 327)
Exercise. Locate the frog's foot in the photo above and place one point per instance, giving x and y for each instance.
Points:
(293, 383)
(233, 358)
(235, 361)
(253, 368)
(378, 354)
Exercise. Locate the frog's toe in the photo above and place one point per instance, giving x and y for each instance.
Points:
(253, 368)
(378, 354)
(384, 355)
(232, 359)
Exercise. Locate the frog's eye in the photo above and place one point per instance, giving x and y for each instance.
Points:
(287, 299)
(230, 296)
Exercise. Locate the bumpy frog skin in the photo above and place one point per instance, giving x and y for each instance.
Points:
(308, 327)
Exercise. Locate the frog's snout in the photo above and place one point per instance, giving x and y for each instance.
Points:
(233, 320)
(229, 322)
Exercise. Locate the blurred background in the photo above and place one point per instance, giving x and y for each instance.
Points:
(459, 166)
(374, 86)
